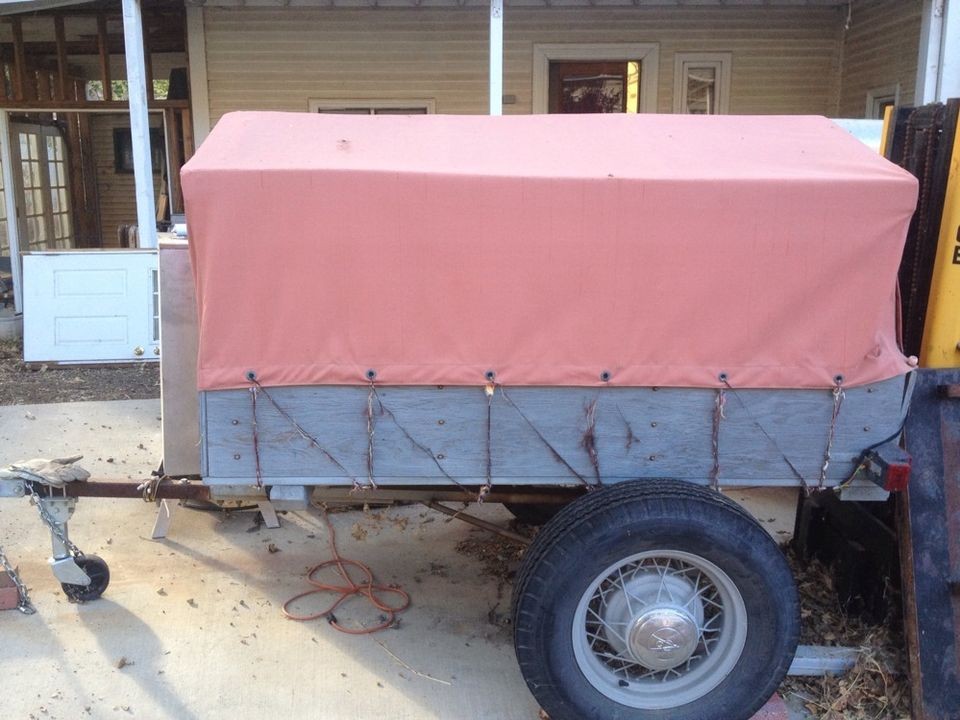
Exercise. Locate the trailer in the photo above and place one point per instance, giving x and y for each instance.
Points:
(608, 323)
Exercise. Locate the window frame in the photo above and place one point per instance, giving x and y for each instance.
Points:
(316, 105)
(721, 62)
(877, 95)
(645, 53)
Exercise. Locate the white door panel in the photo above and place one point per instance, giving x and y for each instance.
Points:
(90, 306)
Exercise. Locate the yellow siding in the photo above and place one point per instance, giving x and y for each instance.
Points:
(785, 60)
(118, 201)
(879, 49)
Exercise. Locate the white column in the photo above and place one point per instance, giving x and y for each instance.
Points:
(10, 200)
(496, 57)
(139, 123)
(928, 60)
(949, 85)
(197, 57)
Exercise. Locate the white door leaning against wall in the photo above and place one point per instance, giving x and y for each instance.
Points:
(90, 306)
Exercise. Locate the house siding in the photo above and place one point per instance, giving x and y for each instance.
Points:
(117, 191)
(785, 60)
(880, 49)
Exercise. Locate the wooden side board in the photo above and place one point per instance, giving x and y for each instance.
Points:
(542, 435)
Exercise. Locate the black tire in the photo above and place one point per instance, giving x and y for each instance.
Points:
(605, 527)
(533, 513)
(99, 574)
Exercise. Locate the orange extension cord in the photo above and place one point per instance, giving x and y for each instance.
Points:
(366, 588)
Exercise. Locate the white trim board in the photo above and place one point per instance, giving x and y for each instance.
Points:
(197, 62)
(647, 54)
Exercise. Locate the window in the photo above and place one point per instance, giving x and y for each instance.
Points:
(879, 99)
(373, 107)
(596, 77)
(701, 83)
(46, 221)
(123, 150)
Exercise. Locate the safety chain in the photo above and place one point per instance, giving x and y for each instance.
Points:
(23, 605)
(48, 520)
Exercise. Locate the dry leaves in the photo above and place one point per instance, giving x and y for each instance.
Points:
(877, 688)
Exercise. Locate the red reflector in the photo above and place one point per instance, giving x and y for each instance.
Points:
(896, 477)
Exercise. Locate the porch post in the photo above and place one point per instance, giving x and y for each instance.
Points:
(10, 200)
(139, 123)
(496, 57)
(938, 64)
(949, 85)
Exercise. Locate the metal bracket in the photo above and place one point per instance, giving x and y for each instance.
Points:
(164, 516)
(12, 488)
(819, 660)
(290, 497)
(66, 570)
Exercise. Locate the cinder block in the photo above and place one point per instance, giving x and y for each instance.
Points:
(9, 597)
(775, 709)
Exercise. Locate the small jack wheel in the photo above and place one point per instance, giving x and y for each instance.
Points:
(99, 574)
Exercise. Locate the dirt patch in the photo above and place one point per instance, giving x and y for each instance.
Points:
(23, 385)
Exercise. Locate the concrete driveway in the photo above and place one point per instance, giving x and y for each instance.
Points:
(190, 627)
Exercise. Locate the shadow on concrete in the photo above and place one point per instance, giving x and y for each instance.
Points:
(148, 649)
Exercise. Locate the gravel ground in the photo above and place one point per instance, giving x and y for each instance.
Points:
(23, 385)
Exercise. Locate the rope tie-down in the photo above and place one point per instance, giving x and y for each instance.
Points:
(838, 396)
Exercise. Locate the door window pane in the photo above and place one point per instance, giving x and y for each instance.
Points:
(701, 90)
(594, 87)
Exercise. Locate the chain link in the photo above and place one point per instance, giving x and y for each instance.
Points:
(24, 605)
(54, 526)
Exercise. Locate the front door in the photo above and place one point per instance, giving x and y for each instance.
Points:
(85, 306)
(594, 86)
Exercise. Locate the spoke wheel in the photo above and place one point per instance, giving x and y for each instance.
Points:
(654, 600)
(659, 629)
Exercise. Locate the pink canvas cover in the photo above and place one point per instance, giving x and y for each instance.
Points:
(661, 249)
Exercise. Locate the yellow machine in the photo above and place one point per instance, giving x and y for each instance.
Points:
(941, 333)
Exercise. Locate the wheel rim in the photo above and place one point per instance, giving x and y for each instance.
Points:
(659, 629)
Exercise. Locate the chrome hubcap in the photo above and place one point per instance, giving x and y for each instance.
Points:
(663, 637)
(659, 629)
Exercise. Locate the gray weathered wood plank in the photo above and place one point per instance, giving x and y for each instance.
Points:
(638, 432)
